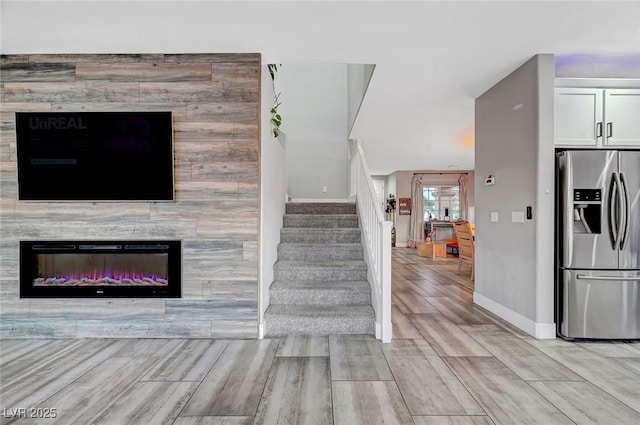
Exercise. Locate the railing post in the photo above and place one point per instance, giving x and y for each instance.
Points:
(385, 278)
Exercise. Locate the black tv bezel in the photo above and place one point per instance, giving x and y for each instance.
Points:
(28, 257)
(171, 194)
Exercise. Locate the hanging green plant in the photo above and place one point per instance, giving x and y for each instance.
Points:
(276, 118)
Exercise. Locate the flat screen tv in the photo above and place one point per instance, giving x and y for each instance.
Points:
(95, 156)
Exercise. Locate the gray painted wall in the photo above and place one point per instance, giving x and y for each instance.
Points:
(514, 142)
(314, 112)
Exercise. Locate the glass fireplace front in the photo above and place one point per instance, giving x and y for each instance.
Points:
(60, 269)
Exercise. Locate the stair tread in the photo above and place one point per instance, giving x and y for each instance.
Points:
(355, 285)
(328, 245)
(317, 311)
(324, 264)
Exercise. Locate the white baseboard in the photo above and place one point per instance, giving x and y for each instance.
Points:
(537, 330)
(302, 200)
(261, 329)
(401, 245)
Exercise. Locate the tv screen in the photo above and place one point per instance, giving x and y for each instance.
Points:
(95, 156)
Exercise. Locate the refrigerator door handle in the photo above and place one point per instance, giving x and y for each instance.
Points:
(617, 206)
(626, 209)
(613, 278)
(613, 219)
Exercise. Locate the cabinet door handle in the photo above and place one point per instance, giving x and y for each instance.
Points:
(599, 130)
(609, 129)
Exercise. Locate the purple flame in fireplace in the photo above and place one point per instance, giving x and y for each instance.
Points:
(102, 278)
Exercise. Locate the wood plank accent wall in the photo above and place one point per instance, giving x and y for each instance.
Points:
(215, 100)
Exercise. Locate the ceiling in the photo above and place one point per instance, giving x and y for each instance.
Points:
(432, 58)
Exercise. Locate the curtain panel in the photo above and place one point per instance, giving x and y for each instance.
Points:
(416, 226)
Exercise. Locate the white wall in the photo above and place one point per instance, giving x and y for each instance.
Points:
(273, 187)
(514, 142)
(314, 118)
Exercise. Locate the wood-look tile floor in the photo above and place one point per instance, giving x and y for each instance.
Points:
(450, 363)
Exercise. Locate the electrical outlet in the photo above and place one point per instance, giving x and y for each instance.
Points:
(324, 189)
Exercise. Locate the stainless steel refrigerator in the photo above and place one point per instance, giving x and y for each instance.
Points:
(598, 244)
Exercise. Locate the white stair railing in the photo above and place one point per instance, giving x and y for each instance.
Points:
(376, 238)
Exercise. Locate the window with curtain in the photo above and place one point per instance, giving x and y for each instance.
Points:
(437, 198)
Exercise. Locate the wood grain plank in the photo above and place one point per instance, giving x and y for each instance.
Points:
(34, 386)
(208, 152)
(178, 110)
(83, 91)
(214, 249)
(119, 309)
(147, 71)
(103, 211)
(96, 58)
(235, 383)
(225, 270)
(122, 230)
(198, 91)
(86, 399)
(607, 374)
(411, 302)
(505, 397)
(231, 310)
(240, 59)
(39, 71)
(425, 382)
(189, 361)
(46, 328)
(149, 403)
(220, 289)
(203, 131)
(214, 420)
(355, 358)
(524, 360)
(614, 348)
(577, 401)
(237, 112)
(459, 312)
(148, 347)
(243, 171)
(304, 346)
(298, 391)
(452, 420)
(247, 329)
(368, 403)
(402, 327)
(446, 338)
(160, 328)
(39, 354)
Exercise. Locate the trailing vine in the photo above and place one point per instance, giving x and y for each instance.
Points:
(276, 118)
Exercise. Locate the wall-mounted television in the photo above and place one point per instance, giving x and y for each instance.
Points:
(95, 156)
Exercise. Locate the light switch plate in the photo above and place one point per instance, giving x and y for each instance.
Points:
(494, 216)
(517, 216)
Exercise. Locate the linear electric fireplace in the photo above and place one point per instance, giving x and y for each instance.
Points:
(89, 269)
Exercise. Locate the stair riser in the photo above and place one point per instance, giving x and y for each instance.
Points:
(311, 274)
(307, 296)
(320, 326)
(320, 221)
(309, 236)
(319, 254)
(320, 208)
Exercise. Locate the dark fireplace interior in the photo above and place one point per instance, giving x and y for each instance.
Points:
(73, 269)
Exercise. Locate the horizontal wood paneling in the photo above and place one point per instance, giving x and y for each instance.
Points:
(214, 100)
(151, 71)
(83, 91)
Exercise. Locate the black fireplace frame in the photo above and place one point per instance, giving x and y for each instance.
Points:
(30, 248)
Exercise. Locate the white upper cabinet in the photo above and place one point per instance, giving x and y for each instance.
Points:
(622, 116)
(578, 116)
(593, 117)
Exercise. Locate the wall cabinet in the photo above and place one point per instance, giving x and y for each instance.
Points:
(592, 117)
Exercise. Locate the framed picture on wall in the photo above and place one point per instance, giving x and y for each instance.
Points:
(404, 206)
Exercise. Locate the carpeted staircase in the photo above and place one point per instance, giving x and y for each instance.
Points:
(320, 279)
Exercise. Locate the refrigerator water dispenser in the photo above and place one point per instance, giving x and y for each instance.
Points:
(587, 211)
